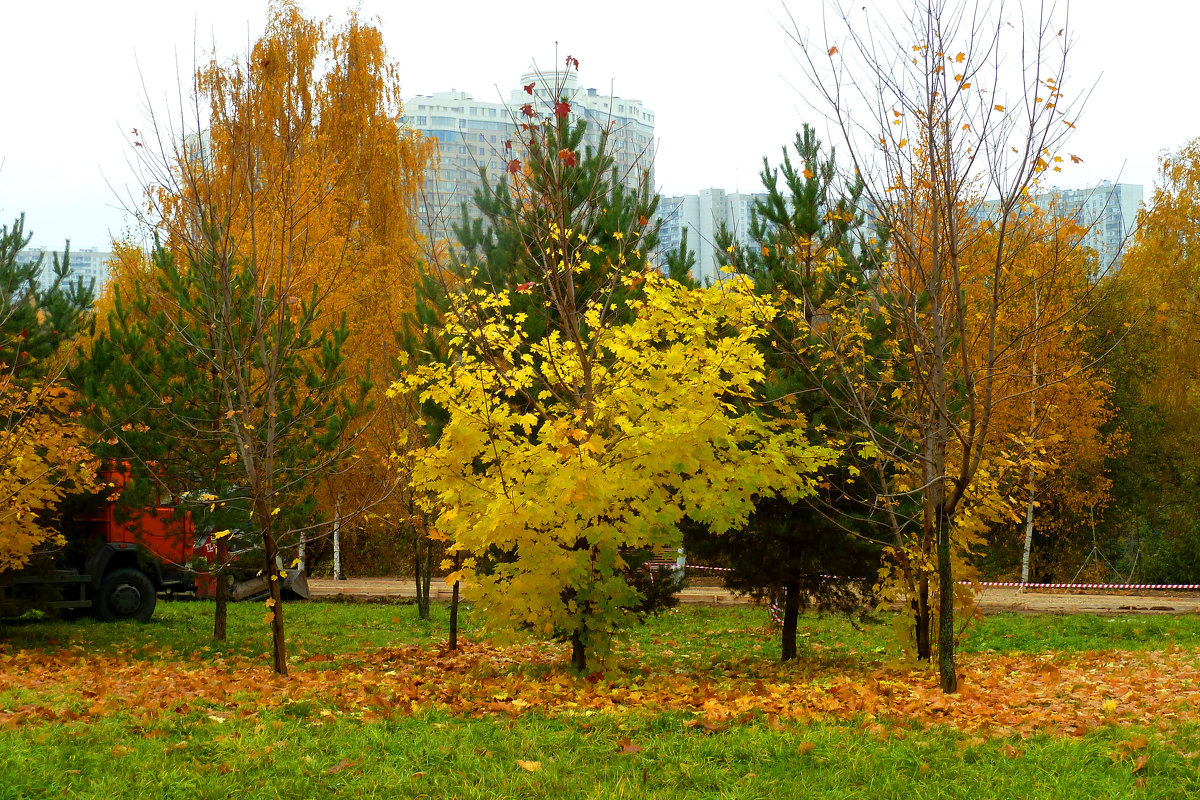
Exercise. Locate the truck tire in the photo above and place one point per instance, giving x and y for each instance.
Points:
(126, 594)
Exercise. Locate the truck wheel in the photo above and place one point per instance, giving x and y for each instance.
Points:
(126, 594)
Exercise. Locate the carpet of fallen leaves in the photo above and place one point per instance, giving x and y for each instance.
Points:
(1059, 693)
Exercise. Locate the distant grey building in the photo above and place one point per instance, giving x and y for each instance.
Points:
(87, 263)
(1107, 211)
(477, 134)
(702, 215)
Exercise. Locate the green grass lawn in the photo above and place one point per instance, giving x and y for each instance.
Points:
(692, 635)
(279, 745)
(604, 756)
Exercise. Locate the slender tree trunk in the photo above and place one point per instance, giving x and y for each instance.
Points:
(942, 315)
(421, 569)
(337, 543)
(220, 616)
(578, 650)
(929, 543)
(221, 577)
(920, 606)
(579, 635)
(1037, 314)
(279, 643)
(946, 667)
(454, 605)
(428, 578)
(221, 587)
(1028, 533)
(791, 615)
(941, 535)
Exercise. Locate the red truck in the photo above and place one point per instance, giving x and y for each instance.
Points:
(114, 562)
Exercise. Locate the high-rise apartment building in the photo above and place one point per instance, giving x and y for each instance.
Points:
(1107, 211)
(472, 136)
(88, 263)
(702, 215)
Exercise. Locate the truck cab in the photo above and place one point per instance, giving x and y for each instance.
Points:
(115, 558)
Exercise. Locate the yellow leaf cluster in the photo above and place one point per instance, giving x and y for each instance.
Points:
(568, 488)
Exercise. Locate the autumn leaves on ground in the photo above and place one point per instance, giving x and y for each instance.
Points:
(376, 704)
(910, 373)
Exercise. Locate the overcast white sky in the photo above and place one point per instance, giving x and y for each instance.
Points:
(721, 78)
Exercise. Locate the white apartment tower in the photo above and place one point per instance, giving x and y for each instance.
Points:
(702, 215)
(472, 133)
(88, 264)
(1108, 212)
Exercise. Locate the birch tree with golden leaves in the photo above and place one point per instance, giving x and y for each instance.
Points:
(942, 106)
(283, 204)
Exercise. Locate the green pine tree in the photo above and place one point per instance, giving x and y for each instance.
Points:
(232, 400)
(788, 550)
(36, 320)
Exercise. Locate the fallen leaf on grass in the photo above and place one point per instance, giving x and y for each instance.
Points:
(341, 765)
(1010, 694)
(626, 747)
(1140, 764)
(529, 766)
(805, 748)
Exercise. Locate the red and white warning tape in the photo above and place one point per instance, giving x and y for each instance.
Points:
(1018, 584)
(710, 569)
(776, 611)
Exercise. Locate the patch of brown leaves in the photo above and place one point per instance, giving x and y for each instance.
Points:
(1059, 693)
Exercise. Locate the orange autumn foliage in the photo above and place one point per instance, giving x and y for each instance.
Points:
(310, 176)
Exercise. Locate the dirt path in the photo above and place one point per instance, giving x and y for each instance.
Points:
(991, 599)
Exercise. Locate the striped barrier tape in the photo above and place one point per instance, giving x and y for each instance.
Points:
(776, 611)
(1018, 584)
